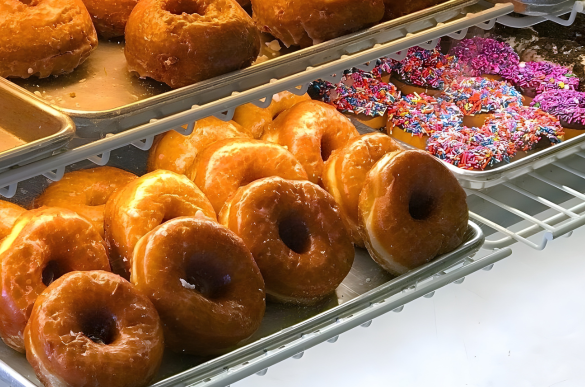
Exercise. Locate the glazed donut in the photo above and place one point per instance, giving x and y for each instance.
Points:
(143, 204)
(86, 192)
(175, 152)
(255, 119)
(43, 245)
(9, 212)
(209, 293)
(345, 172)
(568, 106)
(44, 37)
(110, 16)
(189, 40)
(296, 235)
(226, 165)
(311, 130)
(395, 9)
(411, 210)
(94, 329)
(537, 77)
(304, 23)
(415, 117)
(486, 57)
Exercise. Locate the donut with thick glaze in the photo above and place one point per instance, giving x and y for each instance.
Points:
(9, 212)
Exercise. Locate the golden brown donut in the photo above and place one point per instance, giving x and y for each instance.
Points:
(345, 172)
(304, 23)
(175, 152)
(110, 16)
(86, 192)
(44, 37)
(396, 9)
(311, 131)
(226, 165)
(411, 210)
(204, 283)
(43, 245)
(142, 205)
(9, 212)
(255, 119)
(93, 329)
(296, 235)
(181, 42)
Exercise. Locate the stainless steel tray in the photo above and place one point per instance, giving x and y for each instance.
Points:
(29, 129)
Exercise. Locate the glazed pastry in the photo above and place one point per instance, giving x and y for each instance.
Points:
(396, 9)
(110, 16)
(311, 130)
(209, 292)
(43, 245)
(86, 192)
(411, 210)
(568, 106)
(175, 152)
(44, 37)
(296, 235)
(537, 77)
(486, 57)
(9, 212)
(93, 329)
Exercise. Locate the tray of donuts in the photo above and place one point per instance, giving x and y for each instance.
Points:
(142, 68)
(227, 247)
(473, 104)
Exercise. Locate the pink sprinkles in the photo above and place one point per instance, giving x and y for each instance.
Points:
(479, 56)
(567, 105)
(542, 76)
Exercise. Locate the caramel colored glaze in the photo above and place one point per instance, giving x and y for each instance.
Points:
(204, 283)
(43, 244)
(255, 119)
(311, 131)
(345, 172)
(304, 23)
(110, 16)
(175, 152)
(407, 89)
(227, 165)
(9, 212)
(181, 42)
(64, 338)
(407, 138)
(569, 133)
(373, 122)
(86, 192)
(411, 210)
(142, 205)
(307, 217)
(396, 9)
(475, 120)
(44, 37)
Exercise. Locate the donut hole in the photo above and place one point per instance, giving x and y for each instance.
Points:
(99, 326)
(421, 205)
(52, 272)
(190, 7)
(204, 274)
(30, 3)
(326, 148)
(294, 233)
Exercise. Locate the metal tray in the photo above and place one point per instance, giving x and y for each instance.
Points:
(29, 129)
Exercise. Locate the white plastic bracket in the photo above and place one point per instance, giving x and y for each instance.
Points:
(100, 160)
(9, 191)
(226, 115)
(516, 22)
(264, 102)
(459, 34)
(56, 175)
(144, 144)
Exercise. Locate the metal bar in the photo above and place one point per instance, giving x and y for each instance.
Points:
(542, 200)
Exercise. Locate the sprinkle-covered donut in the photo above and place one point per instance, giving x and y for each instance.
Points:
(568, 106)
(9, 212)
(535, 78)
(486, 56)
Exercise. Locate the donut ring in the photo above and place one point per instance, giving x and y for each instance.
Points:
(110, 16)
(9, 212)
(410, 195)
(176, 53)
(175, 152)
(486, 57)
(345, 173)
(42, 245)
(311, 131)
(86, 192)
(209, 292)
(296, 235)
(93, 329)
(142, 205)
(568, 106)
(44, 37)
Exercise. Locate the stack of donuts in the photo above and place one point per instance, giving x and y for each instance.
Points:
(108, 270)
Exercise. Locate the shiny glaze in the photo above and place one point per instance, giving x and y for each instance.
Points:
(61, 353)
(255, 213)
(9, 212)
(345, 172)
(174, 152)
(311, 130)
(200, 40)
(86, 192)
(394, 238)
(47, 37)
(195, 322)
(304, 23)
(40, 237)
(110, 16)
(144, 204)
(229, 164)
(255, 119)
(407, 138)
